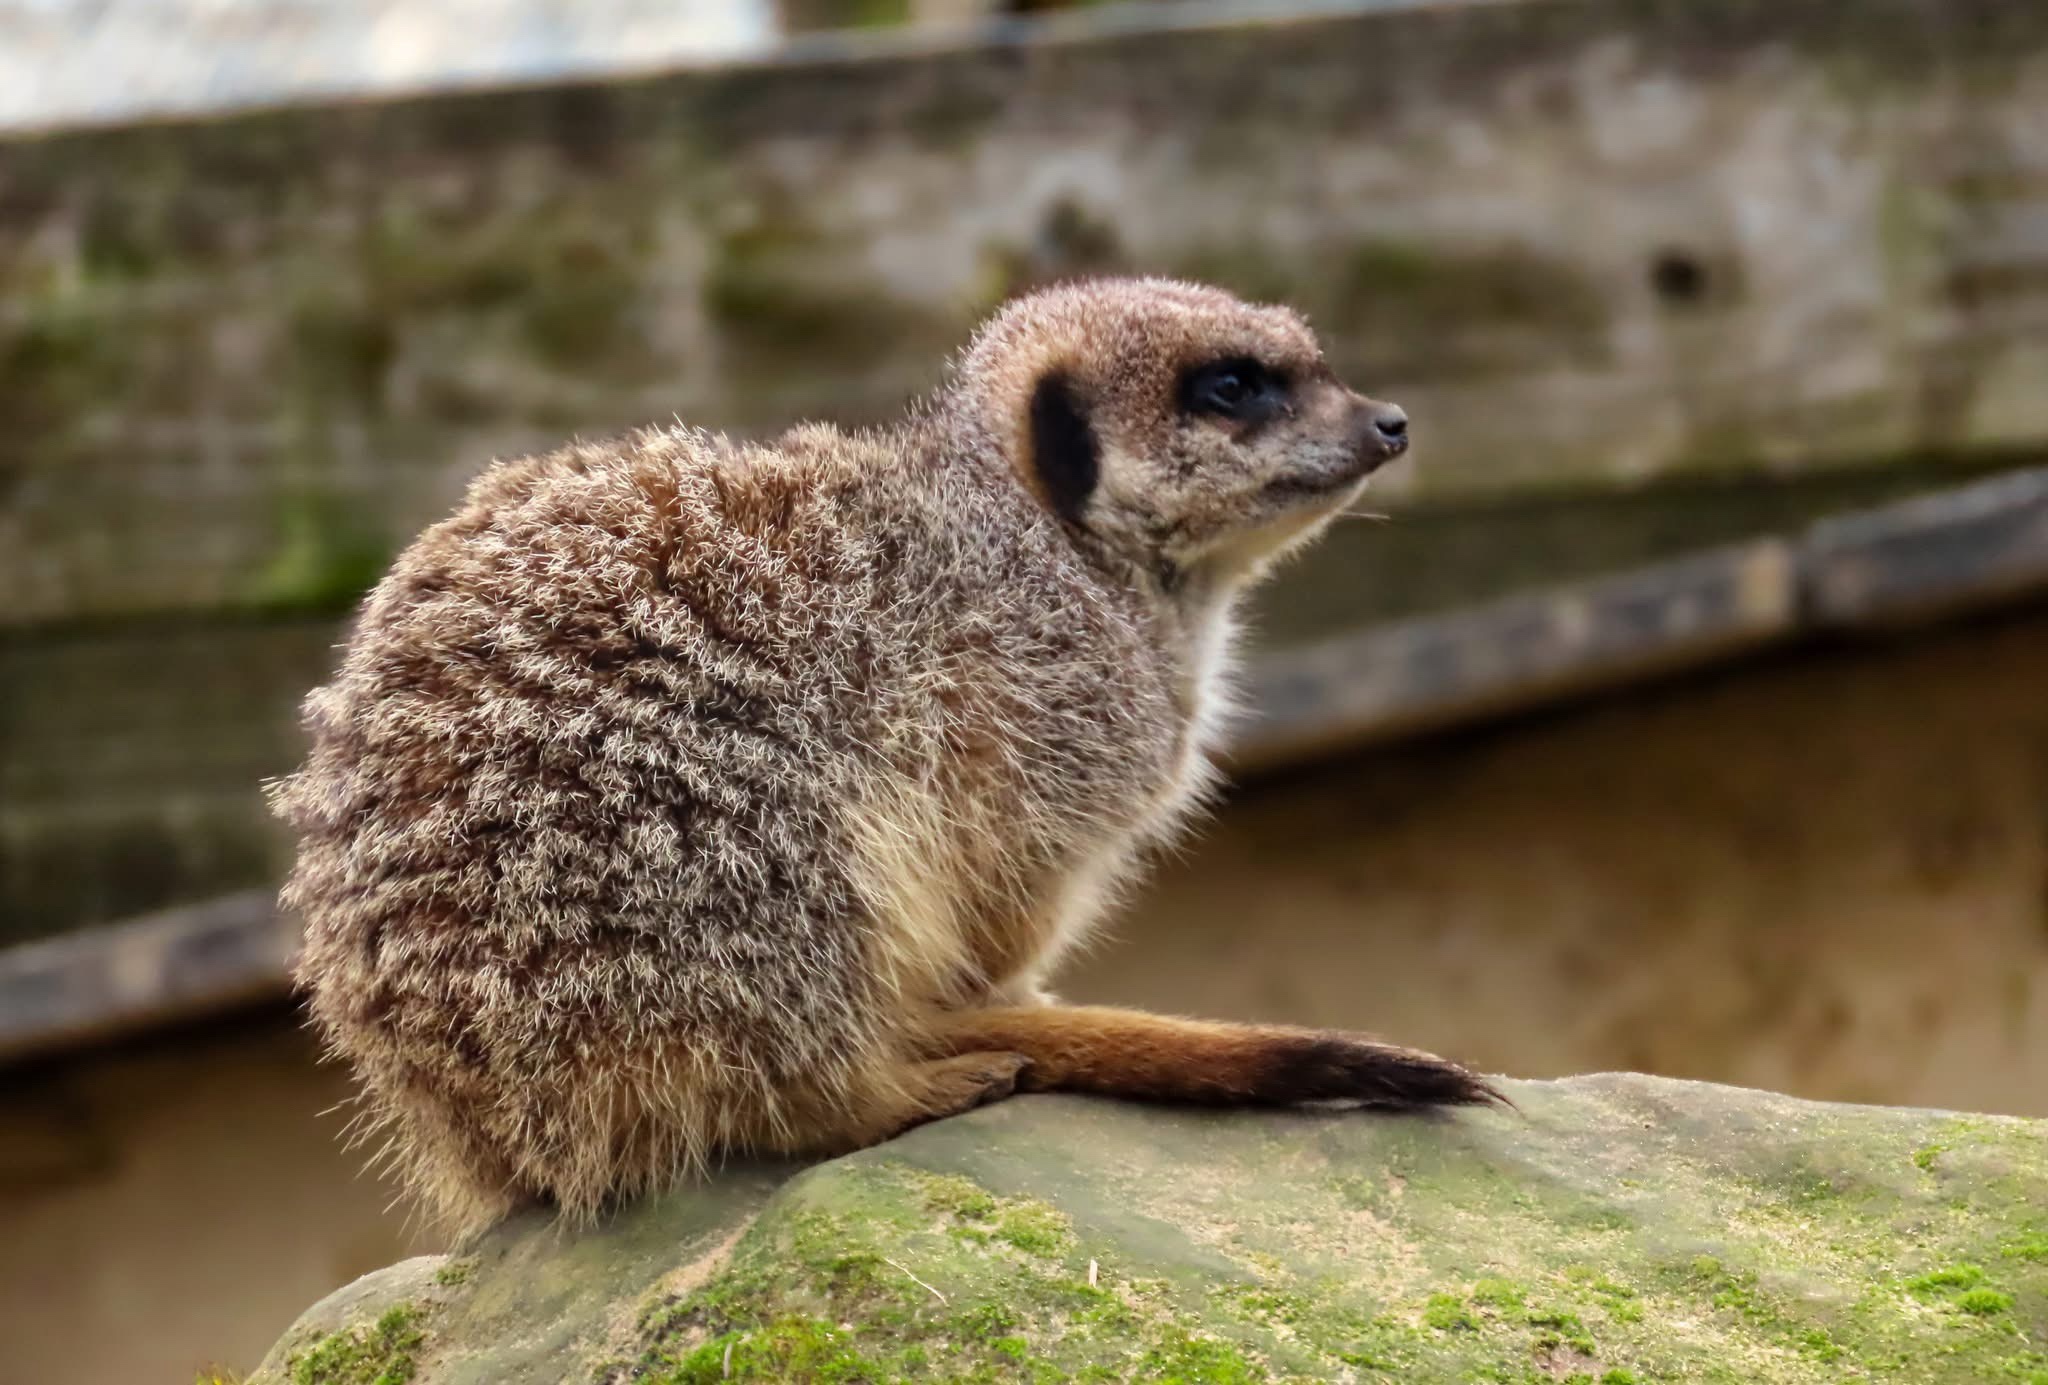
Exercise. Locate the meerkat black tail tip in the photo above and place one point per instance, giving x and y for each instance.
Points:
(1323, 1067)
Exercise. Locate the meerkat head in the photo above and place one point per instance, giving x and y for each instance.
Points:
(1173, 426)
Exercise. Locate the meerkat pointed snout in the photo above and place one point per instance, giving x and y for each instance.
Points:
(1389, 422)
(680, 797)
(1379, 432)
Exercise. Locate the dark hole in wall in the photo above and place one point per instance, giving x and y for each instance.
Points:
(1679, 277)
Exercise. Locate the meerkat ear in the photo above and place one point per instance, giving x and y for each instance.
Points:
(1063, 450)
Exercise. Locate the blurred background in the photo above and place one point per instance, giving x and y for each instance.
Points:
(1686, 711)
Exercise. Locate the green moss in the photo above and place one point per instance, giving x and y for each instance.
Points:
(962, 1197)
(1425, 292)
(1035, 1228)
(1984, 1302)
(1015, 1306)
(118, 240)
(1619, 1376)
(1267, 1305)
(828, 1247)
(383, 1353)
(1816, 1343)
(1098, 1309)
(989, 1321)
(1739, 1292)
(787, 1349)
(805, 15)
(1190, 1360)
(1498, 1294)
(1953, 1277)
(455, 1272)
(1618, 1301)
(1925, 1156)
(2030, 1247)
(1558, 1328)
(1447, 1313)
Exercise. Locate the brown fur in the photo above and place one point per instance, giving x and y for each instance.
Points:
(681, 796)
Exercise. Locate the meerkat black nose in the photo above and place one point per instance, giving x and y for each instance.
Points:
(1391, 423)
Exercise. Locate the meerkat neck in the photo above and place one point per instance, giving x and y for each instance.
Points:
(1192, 602)
(1199, 616)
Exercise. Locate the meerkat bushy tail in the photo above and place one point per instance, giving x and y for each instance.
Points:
(1136, 1054)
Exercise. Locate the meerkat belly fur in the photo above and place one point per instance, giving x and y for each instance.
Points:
(680, 797)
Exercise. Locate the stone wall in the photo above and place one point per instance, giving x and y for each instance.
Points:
(1587, 244)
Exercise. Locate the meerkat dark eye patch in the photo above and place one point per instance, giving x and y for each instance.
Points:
(1236, 388)
(1063, 448)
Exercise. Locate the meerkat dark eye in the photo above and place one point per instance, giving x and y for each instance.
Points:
(1239, 389)
(1227, 391)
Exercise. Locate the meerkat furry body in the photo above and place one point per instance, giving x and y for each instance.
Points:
(680, 796)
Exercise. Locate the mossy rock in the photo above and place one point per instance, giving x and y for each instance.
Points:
(1613, 1229)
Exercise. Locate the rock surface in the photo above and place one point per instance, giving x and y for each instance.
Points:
(1614, 1229)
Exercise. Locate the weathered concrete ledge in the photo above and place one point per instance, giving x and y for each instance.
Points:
(1617, 1229)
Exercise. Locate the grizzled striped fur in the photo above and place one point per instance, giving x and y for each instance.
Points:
(681, 796)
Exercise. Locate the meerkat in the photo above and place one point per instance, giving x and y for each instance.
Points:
(682, 797)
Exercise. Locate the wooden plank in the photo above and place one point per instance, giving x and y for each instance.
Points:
(1925, 557)
(1585, 242)
(1944, 554)
(117, 979)
(1418, 675)
(1437, 559)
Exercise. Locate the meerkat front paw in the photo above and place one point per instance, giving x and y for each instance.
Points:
(975, 1079)
(944, 1087)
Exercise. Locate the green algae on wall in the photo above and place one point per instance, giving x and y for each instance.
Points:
(328, 554)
